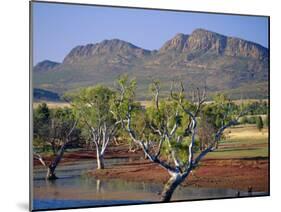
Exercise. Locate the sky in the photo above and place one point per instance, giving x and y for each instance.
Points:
(57, 28)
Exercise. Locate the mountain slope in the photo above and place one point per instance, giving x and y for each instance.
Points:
(45, 65)
(202, 58)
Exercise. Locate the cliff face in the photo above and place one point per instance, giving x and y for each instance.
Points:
(206, 41)
(202, 40)
(199, 42)
(242, 48)
(178, 43)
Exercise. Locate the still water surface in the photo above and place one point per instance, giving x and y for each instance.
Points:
(75, 188)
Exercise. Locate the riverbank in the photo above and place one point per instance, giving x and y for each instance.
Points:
(71, 156)
(238, 174)
(227, 173)
(240, 163)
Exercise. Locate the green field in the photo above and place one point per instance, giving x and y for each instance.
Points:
(242, 141)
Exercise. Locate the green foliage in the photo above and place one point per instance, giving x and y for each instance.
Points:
(206, 131)
(259, 123)
(168, 113)
(63, 120)
(52, 127)
(124, 102)
(161, 116)
(244, 120)
(41, 123)
(92, 105)
(94, 108)
(251, 119)
(220, 111)
(248, 120)
(124, 98)
(180, 148)
(258, 108)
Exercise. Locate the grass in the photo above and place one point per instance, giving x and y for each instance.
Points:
(52, 105)
(243, 141)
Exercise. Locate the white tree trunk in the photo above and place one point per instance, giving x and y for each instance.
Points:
(100, 160)
(99, 186)
(170, 187)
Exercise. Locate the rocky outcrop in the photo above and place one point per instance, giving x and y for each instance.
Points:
(106, 47)
(242, 48)
(199, 42)
(177, 43)
(204, 41)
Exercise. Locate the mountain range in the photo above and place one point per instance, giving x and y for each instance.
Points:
(203, 58)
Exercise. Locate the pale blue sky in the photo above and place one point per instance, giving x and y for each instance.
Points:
(57, 28)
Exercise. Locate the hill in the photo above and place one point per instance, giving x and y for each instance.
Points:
(40, 94)
(232, 65)
(45, 65)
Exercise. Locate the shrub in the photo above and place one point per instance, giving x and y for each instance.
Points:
(251, 120)
(244, 120)
(259, 123)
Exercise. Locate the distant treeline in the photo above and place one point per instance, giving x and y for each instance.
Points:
(51, 124)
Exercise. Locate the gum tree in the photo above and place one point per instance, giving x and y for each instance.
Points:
(213, 116)
(59, 131)
(92, 107)
(169, 131)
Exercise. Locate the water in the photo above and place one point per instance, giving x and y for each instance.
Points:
(75, 188)
(57, 204)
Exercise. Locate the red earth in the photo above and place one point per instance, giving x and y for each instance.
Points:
(239, 174)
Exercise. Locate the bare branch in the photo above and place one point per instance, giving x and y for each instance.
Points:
(160, 147)
(176, 125)
(191, 145)
(109, 137)
(201, 98)
(38, 157)
(154, 129)
(142, 145)
(156, 95)
(173, 154)
(172, 95)
(71, 130)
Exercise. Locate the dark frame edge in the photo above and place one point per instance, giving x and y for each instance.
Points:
(269, 103)
(30, 106)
